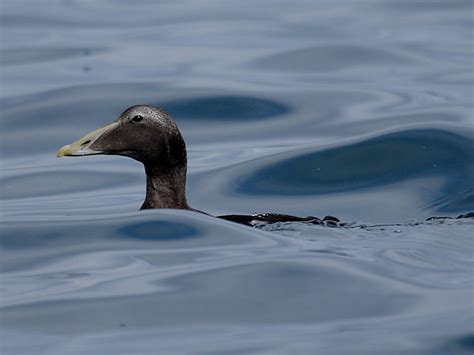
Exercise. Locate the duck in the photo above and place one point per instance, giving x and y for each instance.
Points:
(149, 135)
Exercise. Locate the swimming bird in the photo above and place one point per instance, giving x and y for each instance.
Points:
(149, 135)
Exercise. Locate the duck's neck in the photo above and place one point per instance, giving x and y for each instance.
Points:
(165, 189)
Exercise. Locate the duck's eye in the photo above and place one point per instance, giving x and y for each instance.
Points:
(137, 118)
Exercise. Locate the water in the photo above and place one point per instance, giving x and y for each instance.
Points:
(358, 109)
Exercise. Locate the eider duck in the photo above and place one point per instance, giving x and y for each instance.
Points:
(149, 135)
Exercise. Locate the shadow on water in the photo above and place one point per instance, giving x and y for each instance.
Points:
(374, 162)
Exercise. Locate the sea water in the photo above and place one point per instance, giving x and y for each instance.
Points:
(358, 109)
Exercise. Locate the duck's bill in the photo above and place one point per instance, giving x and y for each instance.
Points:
(85, 145)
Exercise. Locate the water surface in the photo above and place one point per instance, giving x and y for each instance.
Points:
(358, 109)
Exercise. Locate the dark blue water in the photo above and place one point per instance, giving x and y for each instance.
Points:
(358, 109)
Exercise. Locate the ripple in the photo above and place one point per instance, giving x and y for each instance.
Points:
(332, 58)
(242, 295)
(418, 253)
(155, 230)
(377, 161)
(142, 230)
(53, 118)
(21, 56)
(239, 108)
(462, 343)
(410, 7)
(60, 182)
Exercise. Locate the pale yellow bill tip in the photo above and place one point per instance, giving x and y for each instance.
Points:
(64, 151)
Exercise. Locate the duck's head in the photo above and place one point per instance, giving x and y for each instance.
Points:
(144, 133)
